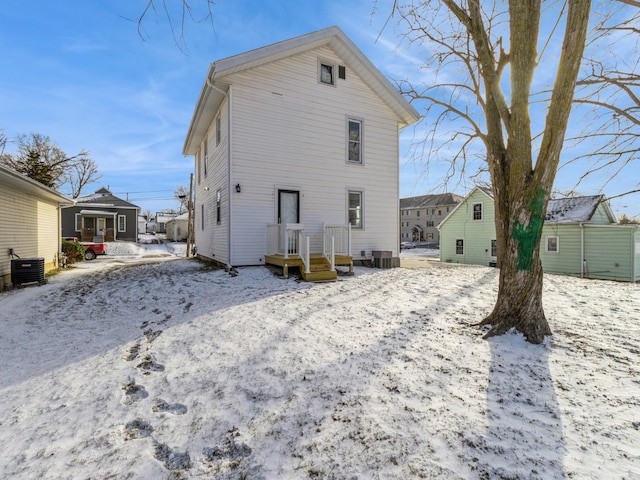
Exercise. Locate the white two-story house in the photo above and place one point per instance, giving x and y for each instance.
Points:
(296, 156)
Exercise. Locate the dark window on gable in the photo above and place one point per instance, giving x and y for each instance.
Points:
(342, 72)
(326, 74)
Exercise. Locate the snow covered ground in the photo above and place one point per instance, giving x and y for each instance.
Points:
(121, 368)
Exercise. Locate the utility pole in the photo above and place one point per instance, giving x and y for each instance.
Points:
(190, 217)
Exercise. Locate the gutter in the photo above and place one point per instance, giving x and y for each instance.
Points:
(211, 85)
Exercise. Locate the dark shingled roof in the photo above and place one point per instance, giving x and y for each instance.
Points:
(104, 197)
(431, 200)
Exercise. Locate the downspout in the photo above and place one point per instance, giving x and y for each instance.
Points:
(582, 260)
(211, 85)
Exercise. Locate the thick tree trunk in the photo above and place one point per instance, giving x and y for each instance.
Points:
(518, 233)
(519, 303)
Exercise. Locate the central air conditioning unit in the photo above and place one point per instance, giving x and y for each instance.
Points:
(27, 270)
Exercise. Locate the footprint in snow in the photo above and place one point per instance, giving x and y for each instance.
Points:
(137, 429)
(132, 352)
(151, 334)
(175, 408)
(171, 459)
(133, 392)
(149, 365)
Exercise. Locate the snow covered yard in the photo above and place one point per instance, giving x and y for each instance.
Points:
(175, 370)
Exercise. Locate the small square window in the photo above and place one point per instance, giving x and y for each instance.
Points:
(552, 244)
(326, 74)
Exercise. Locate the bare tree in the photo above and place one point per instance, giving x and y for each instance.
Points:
(177, 14)
(181, 194)
(41, 159)
(472, 44)
(80, 173)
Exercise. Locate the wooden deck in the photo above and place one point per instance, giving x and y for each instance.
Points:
(319, 268)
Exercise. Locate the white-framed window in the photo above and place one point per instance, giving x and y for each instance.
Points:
(477, 212)
(78, 222)
(459, 246)
(354, 140)
(202, 217)
(218, 134)
(122, 223)
(206, 157)
(355, 208)
(552, 244)
(326, 72)
(494, 248)
(218, 207)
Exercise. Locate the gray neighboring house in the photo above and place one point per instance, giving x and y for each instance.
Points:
(420, 216)
(101, 216)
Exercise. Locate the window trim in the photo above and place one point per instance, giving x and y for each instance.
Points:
(360, 122)
(461, 245)
(359, 192)
(546, 243)
(218, 133)
(322, 62)
(78, 223)
(122, 218)
(473, 211)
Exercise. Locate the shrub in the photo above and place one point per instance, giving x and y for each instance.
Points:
(73, 251)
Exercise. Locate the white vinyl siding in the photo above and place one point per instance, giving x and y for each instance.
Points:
(30, 225)
(271, 106)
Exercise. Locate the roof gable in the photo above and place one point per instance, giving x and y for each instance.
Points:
(214, 88)
(104, 197)
(26, 184)
(483, 190)
(430, 200)
(576, 209)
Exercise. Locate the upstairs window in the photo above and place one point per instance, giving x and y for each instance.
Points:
(477, 212)
(326, 72)
(218, 130)
(354, 141)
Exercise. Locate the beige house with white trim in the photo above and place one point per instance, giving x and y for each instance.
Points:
(30, 224)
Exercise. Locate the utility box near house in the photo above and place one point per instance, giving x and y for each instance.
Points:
(27, 270)
(382, 258)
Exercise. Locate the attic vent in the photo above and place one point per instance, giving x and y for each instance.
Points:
(342, 72)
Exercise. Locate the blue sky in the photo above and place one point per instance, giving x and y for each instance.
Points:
(79, 72)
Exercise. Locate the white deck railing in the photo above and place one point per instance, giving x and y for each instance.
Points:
(282, 238)
(289, 239)
(342, 236)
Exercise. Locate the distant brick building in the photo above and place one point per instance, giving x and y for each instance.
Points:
(420, 216)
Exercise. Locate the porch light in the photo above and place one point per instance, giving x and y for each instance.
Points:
(238, 189)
